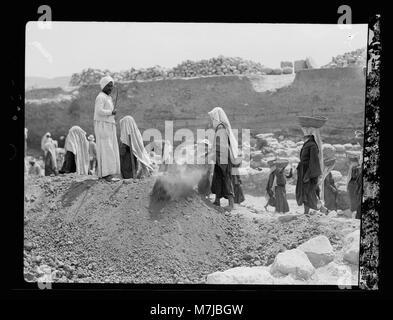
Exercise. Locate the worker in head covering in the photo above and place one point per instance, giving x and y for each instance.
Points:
(355, 182)
(108, 159)
(309, 170)
(134, 159)
(92, 154)
(359, 136)
(77, 152)
(329, 188)
(50, 158)
(225, 155)
(44, 140)
(275, 189)
(34, 168)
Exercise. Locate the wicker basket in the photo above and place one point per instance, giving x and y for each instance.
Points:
(312, 122)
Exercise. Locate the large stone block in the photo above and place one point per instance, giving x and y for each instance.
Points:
(294, 262)
(318, 250)
(241, 275)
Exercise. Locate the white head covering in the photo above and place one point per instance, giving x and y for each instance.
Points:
(105, 80)
(90, 138)
(50, 147)
(77, 143)
(44, 140)
(128, 128)
(219, 116)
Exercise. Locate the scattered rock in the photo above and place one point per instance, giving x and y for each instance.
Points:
(241, 275)
(294, 262)
(318, 250)
(351, 248)
(287, 217)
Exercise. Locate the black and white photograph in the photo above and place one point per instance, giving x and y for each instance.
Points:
(194, 153)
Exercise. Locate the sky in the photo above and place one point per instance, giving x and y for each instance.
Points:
(69, 47)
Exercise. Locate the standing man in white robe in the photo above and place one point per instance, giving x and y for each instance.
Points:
(108, 158)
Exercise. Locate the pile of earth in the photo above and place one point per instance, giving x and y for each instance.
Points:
(87, 230)
(81, 229)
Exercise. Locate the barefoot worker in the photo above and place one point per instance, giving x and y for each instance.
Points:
(44, 140)
(108, 159)
(309, 169)
(50, 157)
(355, 182)
(329, 189)
(134, 160)
(77, 152)
(92, 155)
(276, 186)
(225, 152)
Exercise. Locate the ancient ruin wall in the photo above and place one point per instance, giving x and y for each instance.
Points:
(260, 103)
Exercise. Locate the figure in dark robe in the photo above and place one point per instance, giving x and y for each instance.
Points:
(354, 189)
(330, 192)
(237, 187)
(76, 158)
(69, 164)
(308, 173)
(50, 158)
(222, 185)
(277, 192)
(225, 153)
(135, 162)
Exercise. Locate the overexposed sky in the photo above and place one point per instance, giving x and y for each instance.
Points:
(69, 47)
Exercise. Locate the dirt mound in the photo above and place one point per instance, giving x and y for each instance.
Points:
(94, 231)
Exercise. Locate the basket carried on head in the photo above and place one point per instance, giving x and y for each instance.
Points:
(281, 163)
(312, 122)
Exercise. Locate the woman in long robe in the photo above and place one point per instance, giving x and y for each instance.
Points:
(50, 158)
(330, 190)
(225, 153)
(108, 158)
(309, 171)
(355, 185)
(76, 158)
(277, 191)
(44, 140)
(134, 159)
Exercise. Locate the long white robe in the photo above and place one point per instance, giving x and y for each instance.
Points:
(108, 157)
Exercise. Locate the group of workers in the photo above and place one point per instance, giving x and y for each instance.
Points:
(109, 160)
(315, 186)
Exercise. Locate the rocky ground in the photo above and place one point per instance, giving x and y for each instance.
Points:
(80, 229)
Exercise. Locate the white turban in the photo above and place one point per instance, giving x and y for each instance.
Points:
(105, 80)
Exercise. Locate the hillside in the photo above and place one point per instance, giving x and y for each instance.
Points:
(262, 103)
(41, 82)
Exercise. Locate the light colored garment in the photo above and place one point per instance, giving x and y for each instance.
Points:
(129, 130)
(108, 157)
(325, 172)
(105, 80)
(77, 143)
(44, 140)
(92, 150)
(103, 108)
(218, 116)
(51, 148)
